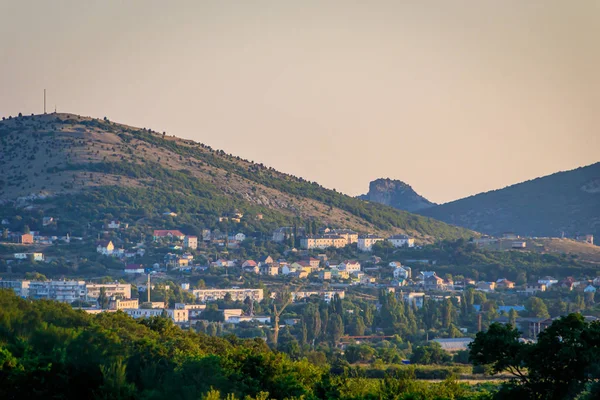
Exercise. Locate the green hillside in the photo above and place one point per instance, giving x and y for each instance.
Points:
(566, 202)
(81, 168)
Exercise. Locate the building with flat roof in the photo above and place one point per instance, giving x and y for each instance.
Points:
(205, 295)
(113, 289)
(178, 316)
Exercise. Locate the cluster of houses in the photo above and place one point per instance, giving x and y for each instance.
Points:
(338, 238)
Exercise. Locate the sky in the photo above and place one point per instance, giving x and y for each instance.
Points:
(452, 97)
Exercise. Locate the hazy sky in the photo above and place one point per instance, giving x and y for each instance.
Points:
(452, 97)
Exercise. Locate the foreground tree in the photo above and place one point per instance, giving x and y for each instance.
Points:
(565, 359)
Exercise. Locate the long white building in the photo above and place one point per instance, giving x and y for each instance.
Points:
(205, 295)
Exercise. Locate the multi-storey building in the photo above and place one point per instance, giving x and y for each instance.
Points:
(366, 242)
(21, 288)
(349, 235)
(205, 295)
(323, 241)
(402, 241)
(121, 304)
(63, 291)
(178, 316)
(115, 289)
(190, 242)
(326, 295)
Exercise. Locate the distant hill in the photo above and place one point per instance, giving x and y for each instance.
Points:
(85, 169)
(566, 202)
(396, 194)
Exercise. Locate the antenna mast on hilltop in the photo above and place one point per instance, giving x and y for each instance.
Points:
(44, 101)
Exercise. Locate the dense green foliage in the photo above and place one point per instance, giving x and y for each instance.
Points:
(548, 206)
(49, 350)
(564, 362)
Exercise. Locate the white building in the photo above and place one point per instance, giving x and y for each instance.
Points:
(114, 289)
(416, 298)
(176, 315)
(366, 242)
(402, 272)
(35, 256)
(548, 281)
(190, 242)
(63, 291)
(205, 295)
(21, 288)
(402, 241)
(352, 267)
(326, 295)
(236, 319)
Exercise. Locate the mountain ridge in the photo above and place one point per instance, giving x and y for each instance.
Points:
(565, 201)
(51, 157)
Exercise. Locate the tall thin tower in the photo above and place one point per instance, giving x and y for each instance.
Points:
(44, 101)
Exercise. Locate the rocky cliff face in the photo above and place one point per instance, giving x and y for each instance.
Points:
(396, 194)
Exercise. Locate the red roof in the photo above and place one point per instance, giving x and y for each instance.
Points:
(167, 232)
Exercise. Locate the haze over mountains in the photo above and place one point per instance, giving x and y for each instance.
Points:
(74, 163)
(565, 202)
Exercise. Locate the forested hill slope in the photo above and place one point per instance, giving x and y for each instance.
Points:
(83, 168)
(566, 202)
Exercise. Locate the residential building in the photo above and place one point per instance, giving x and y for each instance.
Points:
(63, 291)
(325, 295)
(339, 274)
(313, 262)
(510, 235)
(249, 318)
(322, 241)
(548, 281)
(34, 256)
(265, 260)
(402, 272)
(454, 345)
(325, 275)
(486, 286)
(25, 238)
(205, 295)
(416, 298)
(350, 266)
(504, 284)
(532, 289)
(269, 269)
(366, 242)
(190, 242)
(105, 247)
(519, 244)
(434, 282)
(350, 236)
(134, 269)
(121, 304)
(114, 289)
(21, 288)
(401, 241)
(113, 225)
(286, 232)
(178, 316)
(585, 238)
(160, 234)
(194, 310)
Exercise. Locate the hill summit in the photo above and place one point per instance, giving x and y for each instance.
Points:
(562, 203)
(83, 168)
(396, 194)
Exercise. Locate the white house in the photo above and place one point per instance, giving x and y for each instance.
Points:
(105, 247)
(402, 241)
(548, 281)
(401, 272)
(240, 237)
(351, 267)
(366, 242)
(113, 225)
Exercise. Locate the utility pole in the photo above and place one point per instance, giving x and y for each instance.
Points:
(479, 322)
(148, 287)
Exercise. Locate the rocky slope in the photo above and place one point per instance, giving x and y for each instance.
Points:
(396, 194)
